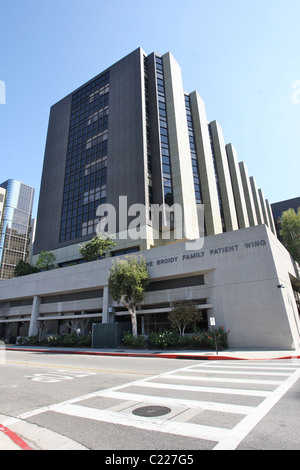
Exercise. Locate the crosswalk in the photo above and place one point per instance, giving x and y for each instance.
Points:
(215, 401)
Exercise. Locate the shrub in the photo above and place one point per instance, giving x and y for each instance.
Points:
(70, 340)
(164, 338)
(185, 341)
(31, 340)
(206, 338)
(64, 340)
(56, 340)
(138, 342)
(222, 337)
(85, 341)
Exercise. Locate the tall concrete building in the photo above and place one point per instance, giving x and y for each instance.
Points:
(16, 199)
(133, 131)
(130, 141)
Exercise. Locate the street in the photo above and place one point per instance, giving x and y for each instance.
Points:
(64, 402)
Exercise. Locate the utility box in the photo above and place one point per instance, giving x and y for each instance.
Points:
(108, 335)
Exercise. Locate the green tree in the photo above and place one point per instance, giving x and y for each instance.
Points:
(183, 314)
(96, 247)
(127, 282)
(290, 232)
(23, 269)
(46, 261)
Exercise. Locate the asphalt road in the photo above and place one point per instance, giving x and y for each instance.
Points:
(118, 404)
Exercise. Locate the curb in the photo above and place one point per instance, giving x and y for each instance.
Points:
(15, 439)
(124, 354)
(150, 355)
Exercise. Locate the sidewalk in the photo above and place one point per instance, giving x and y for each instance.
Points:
(228, 354)
(9, 440)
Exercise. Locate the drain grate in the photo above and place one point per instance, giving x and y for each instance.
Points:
(151, 411)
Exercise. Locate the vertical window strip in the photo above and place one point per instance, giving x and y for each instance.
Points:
(195, 166)
(164, 136)
(148, 139)
(87, 142)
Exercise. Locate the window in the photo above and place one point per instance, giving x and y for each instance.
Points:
(96, 139)
(89, 227)
(166, 162)
(101, 91)
(85, 173)
(195, 167)
(125, 251)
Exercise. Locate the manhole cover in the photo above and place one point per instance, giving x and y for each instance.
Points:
(150, 411)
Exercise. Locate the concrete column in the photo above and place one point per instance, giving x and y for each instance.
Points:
(105, 315)
(256, 200)
(264, 208)
(33, 326)
(229, 210)
(181, 166)
(213, 222)
(271, 218)
(248, 194)
(237, 187)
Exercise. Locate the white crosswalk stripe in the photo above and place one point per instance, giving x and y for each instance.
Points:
(202, 398)
(152, 424)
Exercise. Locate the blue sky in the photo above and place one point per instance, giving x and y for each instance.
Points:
(242, 56)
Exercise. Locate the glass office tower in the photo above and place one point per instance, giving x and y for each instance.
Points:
(17, 200)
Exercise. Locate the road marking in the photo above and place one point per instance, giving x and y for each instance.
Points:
(259, 366)
(236, 381)
(197, 404)
(236, 435)
(58, 376)
(226, 439)
(193, 388)
(237, 372)
(153, 424)
(45, 409)
(14, 438)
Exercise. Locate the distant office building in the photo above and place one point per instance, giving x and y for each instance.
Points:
(133, 131)
(16, 200)
(279, 207)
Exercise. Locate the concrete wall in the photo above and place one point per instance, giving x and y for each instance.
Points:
(126, 152)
